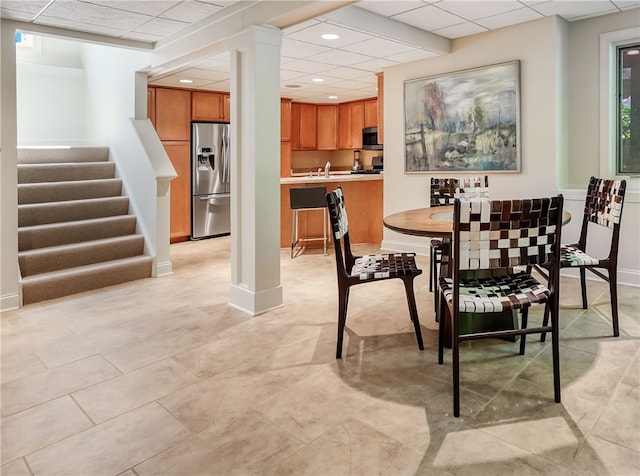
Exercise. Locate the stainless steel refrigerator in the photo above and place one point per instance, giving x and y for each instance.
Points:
(210, 191)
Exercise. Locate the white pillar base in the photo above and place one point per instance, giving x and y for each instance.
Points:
(255, 303)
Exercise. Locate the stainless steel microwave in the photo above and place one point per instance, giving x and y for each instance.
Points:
(370, 139)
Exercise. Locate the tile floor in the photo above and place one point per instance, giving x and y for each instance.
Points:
(162, 377)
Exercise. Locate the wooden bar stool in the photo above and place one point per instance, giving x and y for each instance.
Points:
(307, 199)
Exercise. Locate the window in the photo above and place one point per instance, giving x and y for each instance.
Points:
(628, 111)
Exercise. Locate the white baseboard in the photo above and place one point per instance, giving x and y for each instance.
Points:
(163, 269)
(421, 248)
(626, 277)
(9, 302)
(255, 303)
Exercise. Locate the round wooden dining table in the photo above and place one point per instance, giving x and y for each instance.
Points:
(436, 222)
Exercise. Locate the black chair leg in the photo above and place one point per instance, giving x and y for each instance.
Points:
(456, 375)
(555, 347)
(441, 332)
(613, 291)
(413, 310)
(343, 301)
(583, 286)
(523, 337)
(545, 321)
(431, 267)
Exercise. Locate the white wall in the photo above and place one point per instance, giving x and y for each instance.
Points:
(51, 93)
(539, 79)
(559, 99)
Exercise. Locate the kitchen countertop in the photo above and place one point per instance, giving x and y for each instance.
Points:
(333, 177)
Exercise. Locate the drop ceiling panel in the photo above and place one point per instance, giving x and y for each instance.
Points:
(513, 17)
(153, 8)
(378, 47)
(428, 18)
(471, 10)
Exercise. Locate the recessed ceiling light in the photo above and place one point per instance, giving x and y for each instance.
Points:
(318, 80)
(186, 81)
(330, 36)
(333, 97)
(633, 52)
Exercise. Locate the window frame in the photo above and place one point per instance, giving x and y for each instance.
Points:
(609, 43)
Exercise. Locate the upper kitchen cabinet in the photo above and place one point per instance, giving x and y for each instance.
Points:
(304, 122)
(285, 119)
(173, 114)
(351, 123)
(327, 127)
(208, 106)
(370, 112)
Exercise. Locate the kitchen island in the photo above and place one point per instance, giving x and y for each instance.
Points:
(363, 199)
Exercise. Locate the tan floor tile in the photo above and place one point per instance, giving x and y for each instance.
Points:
(475, 452)
(223, 354)
(68, 349)
(620, 421)
(26, 392)
(30, 430)
(240, 444)
(119, 395)
(601, 457)
(353, 447)
(15, 468)
(273, 383)
(313, 405)
(18, 365)
(199, 406)
(112, 447)
(131, 357)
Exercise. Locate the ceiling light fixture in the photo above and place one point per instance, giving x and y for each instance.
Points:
(186, 81)
(633, 52)
(330, 36)
(333, 97)
(318, 80)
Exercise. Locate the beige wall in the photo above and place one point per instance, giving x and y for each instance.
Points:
(560, 124)
(584, 92)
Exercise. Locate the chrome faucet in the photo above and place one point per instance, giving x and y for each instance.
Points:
(326, 169)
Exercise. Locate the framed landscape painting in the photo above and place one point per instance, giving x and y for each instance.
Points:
(464, 121)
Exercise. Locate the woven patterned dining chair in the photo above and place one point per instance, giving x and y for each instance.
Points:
(490, 239)
(602, 208)
(444, 191)
(354, 270)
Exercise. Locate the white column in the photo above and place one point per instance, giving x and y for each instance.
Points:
(9, 286)
(255, 169)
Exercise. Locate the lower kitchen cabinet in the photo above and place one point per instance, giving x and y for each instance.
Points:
(363, 199)
(180, 154)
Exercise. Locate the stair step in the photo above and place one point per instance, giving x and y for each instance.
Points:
(72, 210)
(42, 287)
(39, 155)
(64, 171)
(54, 258)
(70, 190)
(54, 234)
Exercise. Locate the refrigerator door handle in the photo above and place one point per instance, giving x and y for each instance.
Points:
(214, 196)
(225, 159)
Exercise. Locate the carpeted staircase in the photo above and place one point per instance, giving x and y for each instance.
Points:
(75, 233)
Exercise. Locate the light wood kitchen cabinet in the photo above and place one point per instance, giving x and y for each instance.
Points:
(151, 105)
(285, 159)
(327, 127)
(380, 107)
(351, 123)
(304, 123)
(173, 114)
(209, 106)
(370, 112)
(285, 119)
(364, 200)
(179, 153)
